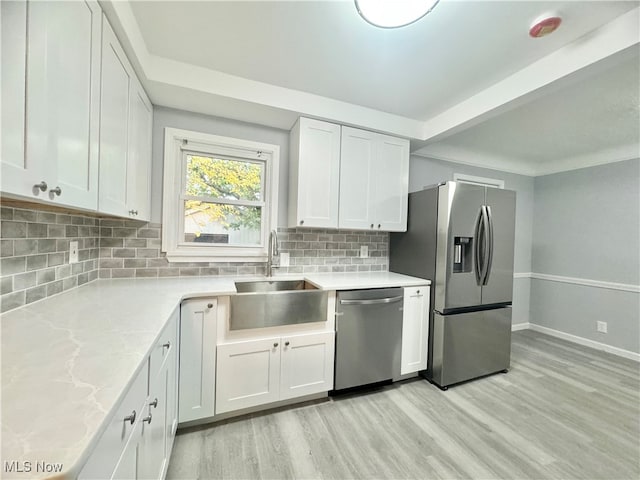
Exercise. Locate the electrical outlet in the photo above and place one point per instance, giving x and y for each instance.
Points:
(284, 259)
(364, 251)
(602, 327)
(73, 252)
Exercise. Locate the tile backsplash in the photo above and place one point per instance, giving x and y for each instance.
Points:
(35, 253)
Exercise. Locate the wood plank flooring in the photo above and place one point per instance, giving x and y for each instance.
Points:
(563, 411)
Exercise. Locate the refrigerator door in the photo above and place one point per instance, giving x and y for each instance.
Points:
(470, 345)
(456, 285)
(498, 282)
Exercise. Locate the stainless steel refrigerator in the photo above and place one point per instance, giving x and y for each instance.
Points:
(460, 236)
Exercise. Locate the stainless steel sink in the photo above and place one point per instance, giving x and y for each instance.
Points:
(273, 286)
(270, 303)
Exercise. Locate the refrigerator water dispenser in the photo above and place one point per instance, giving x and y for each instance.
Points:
(462, 254)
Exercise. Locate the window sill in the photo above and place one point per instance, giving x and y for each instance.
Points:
(180, 257)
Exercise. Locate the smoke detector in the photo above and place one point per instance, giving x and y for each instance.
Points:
(544, 26)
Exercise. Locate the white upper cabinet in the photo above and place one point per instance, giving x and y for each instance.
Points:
(343, 177)
(52, 97)
(314, 174)
(13, 16)
(356, 173)
(125, 135)
(374, 180)
(391, 183)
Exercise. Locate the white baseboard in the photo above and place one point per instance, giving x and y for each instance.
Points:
(584, 341)
(520, 326)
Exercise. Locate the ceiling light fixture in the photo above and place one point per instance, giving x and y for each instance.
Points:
(393, 14)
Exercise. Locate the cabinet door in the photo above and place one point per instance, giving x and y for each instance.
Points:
(129, 463)
(391, 183)
(315, 165)
(153, 445)
(16, 176)
(197, 359)
(117, 80)
(356, 170)
(415, 329)
(248, 374)
(172, 405)
(139, 163)
(306, 365)
(62, 91)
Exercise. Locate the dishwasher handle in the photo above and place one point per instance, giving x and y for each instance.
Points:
(373, 301)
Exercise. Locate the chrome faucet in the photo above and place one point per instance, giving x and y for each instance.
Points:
(272, 251)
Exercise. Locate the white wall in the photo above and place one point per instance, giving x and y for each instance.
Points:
(168, 117)
(427, 171)
(587, 227)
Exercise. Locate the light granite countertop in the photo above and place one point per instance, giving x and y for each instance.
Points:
(67, 360)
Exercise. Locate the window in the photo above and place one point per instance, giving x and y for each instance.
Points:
(219, 197)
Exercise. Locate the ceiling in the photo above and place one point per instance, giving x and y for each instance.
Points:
(587, 122)
(453, 81)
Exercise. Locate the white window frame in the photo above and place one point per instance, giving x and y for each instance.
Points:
(483, 181)
(177, 143)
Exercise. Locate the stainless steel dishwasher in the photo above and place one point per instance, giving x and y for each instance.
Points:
(368, 336)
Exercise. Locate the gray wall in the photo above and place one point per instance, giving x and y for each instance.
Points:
(426, 171)
(167, 117)
(587, 226)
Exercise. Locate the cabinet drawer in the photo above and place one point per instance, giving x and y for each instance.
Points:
(104, 457)
(166, 344)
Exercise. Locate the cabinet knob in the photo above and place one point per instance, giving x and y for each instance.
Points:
(301, 222)
(286, 344)
(42, 186)
(372, 225)
(154, 404)
(379, 225)
(166, 345)
(209, 305)
(133, 212)
(418, 292)
(275, 345)
(57, 191)
(131, 418)
(148, 418)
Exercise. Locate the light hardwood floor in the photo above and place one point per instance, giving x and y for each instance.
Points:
(563, 411)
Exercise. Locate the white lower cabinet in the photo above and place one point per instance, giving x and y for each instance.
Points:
(263, 371)
(138, 441)
(415, 329)
(306, 364)
(197, 359)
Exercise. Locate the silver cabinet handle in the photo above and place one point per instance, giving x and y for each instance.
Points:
(166, 345)
(57, 191)
(154, 404)
(275, 345)
(130, 418)
(373, 301)
(148, 418)
(42, 186)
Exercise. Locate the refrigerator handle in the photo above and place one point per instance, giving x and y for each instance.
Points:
(478, 261)
(485, 247)
(489, 242)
